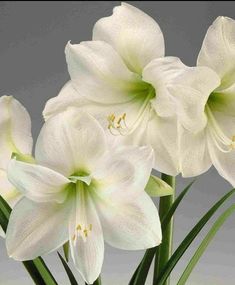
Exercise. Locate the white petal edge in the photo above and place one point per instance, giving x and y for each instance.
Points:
(218, 50)
(15, 129)
(134, 34)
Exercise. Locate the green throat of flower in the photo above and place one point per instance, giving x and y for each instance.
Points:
(117, 125)
(81, 182)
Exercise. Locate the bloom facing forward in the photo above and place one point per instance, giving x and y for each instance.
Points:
(207, 109)
(15, 136)
(120, 77)
(83, 192)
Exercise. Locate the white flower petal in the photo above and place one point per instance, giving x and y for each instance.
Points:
(7, 190)
(99, 73)
(124, 173)
(67, 97)
(15, 129)
(134, 35)
(223, 162)
(191, 90)
(218, 50)
(37, 182)
(160, 73)
(87, 251)
(194, 155)
(133, 224)
(162, 135)
(36, 228)
(71, 141)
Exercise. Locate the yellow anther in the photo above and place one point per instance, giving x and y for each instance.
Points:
(90, 227)
(73, 238)
(118, 124)
(233, 138)
(119, 120)
(85, 232)
(78, 228)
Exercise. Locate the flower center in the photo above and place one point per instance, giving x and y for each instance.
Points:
(117, 125)
(221, 140)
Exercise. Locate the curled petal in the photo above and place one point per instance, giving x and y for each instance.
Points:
(133, 34)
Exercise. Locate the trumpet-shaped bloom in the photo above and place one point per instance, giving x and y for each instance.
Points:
(82, 191)
(206, 104)
(15, 136)
(121, 78)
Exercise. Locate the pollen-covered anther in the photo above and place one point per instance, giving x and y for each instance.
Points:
(118, 124)
(82, 231)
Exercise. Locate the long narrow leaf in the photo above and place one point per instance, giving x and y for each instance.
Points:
(37, 268)
(204, 244)
(68, 271)
(143, 267)
(189, 239)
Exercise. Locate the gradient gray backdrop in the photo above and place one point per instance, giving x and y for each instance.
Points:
(33, 69)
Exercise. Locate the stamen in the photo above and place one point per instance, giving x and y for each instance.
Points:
(82, 231)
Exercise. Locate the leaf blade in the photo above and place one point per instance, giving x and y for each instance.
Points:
(69, 272)
(189, 239)
(204, 244)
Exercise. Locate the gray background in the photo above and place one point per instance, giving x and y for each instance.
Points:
(33, 69)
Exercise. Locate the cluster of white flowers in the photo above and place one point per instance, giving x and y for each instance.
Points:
(126, 110)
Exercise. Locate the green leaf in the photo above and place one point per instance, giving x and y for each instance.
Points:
(68, 271)
(204, 244)
(189, 239)
(143, 267)
(37, 268)
(140, 276)
(156, 187)
(66, 251)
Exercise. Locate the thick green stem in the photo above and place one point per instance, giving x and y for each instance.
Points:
(164, 251)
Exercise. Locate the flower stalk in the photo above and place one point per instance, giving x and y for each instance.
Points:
(164, 251)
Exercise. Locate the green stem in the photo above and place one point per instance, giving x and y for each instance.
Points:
(164, 251)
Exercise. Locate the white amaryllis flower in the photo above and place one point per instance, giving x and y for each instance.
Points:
(120, 77)
(82, 191)
(206, 105)
(15, 136)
